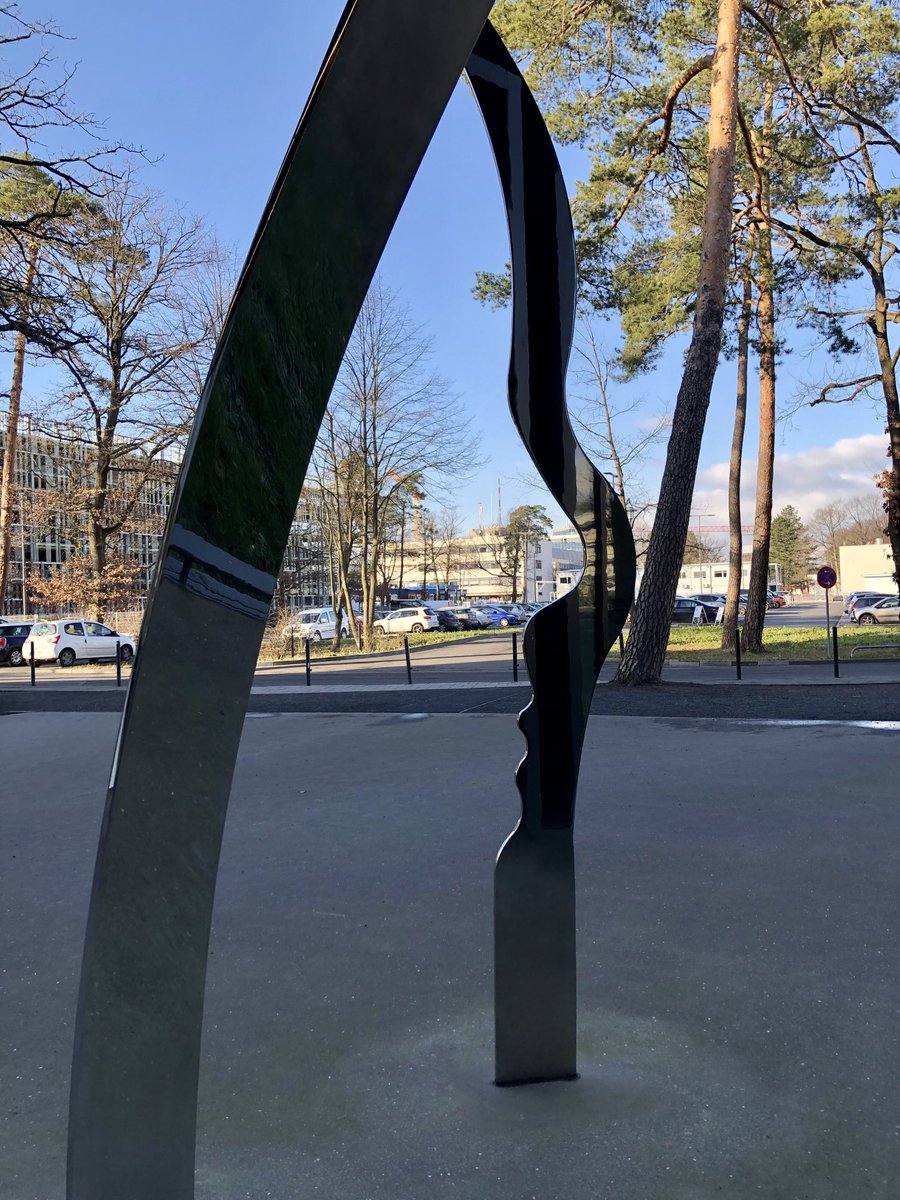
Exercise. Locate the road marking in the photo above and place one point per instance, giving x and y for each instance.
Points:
(461, 685)
(891, 726)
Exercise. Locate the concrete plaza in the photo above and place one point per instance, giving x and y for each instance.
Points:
(738, 924)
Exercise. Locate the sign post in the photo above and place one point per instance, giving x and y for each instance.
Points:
(826, 577)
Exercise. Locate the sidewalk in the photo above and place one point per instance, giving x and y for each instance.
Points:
(442, 670)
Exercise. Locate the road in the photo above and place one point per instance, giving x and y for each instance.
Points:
(477, 677)
(805, 612)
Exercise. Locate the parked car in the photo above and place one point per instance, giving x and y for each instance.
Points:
(75, 639)
(470, 618)
(860, 600)
(882, 612)
(407, 620)
(514, 610)
(714, 598)
(318, 624)
(12, 638)
(448, 620)
(683, 610)
(743, 597)
(500, 615)
(481, 615)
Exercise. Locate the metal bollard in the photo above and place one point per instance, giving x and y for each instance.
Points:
(834, 646)
(515, 641)
(292, 641)
(118, 664)
(308, 666)
(408, 663)
(32, 665)
(737, 650)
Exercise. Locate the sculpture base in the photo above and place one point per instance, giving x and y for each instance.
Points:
(534, 958)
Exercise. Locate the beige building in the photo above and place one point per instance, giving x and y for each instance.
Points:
(867, 568)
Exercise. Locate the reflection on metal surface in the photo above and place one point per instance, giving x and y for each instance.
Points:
(385, 82)
(565, 643)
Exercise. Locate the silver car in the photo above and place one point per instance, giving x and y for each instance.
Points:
(881, 612)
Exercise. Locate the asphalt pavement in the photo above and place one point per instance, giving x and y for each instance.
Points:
(738, 976)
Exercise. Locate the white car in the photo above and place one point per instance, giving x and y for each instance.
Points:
(407, 620)
(317, 624)
(75, 639)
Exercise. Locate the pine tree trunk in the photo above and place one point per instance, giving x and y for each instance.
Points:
(645, 649)
(736, 541)
(7, 482)
(879, 326)
(755, 617)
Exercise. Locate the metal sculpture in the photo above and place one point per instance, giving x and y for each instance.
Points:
(566, 642)
(383, 86)
(380, 93)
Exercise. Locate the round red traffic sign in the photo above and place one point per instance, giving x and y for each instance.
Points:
(826, 577)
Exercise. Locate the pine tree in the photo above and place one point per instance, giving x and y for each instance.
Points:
(791, 546)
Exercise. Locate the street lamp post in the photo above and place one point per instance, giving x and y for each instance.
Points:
(700, 516)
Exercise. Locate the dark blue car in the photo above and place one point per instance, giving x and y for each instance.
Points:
(11, 639)
(500, 616)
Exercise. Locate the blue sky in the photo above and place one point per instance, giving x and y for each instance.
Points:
(213, 93)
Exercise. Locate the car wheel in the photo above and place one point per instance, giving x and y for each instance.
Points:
(126, 654)
(503, 622)
(66, 657)
(15, 658)
(417, 628)
(868, 619)
(379, 630)
(317, 637)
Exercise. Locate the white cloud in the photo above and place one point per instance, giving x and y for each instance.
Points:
(808, 479)
(649, 424)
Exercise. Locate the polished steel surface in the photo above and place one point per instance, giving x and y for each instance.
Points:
(567, 642)
(382, 88)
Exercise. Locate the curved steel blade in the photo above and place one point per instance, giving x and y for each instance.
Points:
(567, 642)
(379, 96)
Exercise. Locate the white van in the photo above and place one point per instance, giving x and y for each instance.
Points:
(317, 624)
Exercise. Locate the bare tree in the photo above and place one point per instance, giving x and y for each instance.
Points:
(856, 521)
(865, 518)
(387, 434)
(447, 534)
(599, 420)
(129, 400)
(43, 131)
(505, 547)
(26, 190)
(827, 527)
